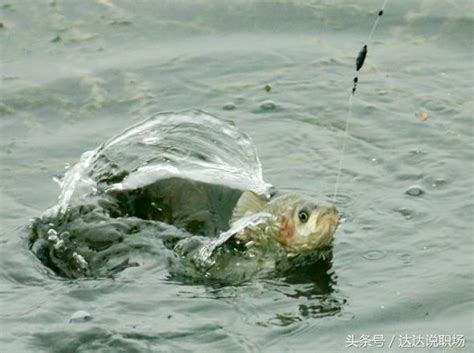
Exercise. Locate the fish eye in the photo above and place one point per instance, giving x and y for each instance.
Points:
(303, 216)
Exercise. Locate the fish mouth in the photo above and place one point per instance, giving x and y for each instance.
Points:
(329, 210)
(328, 222)
(330, 215)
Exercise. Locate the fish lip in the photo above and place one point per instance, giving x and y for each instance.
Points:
(329, 211)
(329, 217)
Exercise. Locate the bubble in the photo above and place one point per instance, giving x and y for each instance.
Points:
(415, 190)
(268, 105)
(229, 106)
(374, 255)
(80, 316)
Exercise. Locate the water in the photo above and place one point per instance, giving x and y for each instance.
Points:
(75, 74)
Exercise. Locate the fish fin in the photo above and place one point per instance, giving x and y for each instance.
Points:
(249, 203)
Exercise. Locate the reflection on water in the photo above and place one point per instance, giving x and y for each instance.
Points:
(315, 284)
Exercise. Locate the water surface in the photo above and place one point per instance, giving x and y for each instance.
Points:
(75, 73)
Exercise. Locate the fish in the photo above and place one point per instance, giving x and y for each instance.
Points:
(293, 223)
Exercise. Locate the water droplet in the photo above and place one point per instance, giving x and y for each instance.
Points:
(59, 245)
(80, 260)
(374, 255)
(229, 106)
(415, 190)
(80, 316)
(53, 238)
(52, 232)
(439, 182)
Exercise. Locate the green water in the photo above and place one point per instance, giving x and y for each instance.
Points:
(75, 73)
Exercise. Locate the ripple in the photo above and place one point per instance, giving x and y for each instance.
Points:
(406, 212)
(345, 316)
(418, 152)
(341, 199)
(412, 177)
(406, 258)
(325, 307)
(285, 319)
(374, 255)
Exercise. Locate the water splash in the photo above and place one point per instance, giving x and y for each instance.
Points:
(176, 176)
(191, 145)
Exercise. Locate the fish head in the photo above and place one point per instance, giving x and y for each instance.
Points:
(306, 225)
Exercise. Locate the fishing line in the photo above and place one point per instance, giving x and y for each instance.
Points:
(359, 63)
